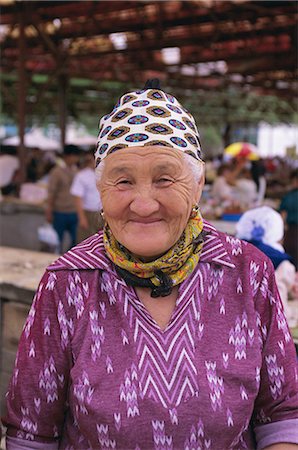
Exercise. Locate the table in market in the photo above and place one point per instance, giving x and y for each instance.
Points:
(225, 226)
(20, 273)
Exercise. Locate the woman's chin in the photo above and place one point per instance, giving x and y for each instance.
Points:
(148, 250)
(147, 241)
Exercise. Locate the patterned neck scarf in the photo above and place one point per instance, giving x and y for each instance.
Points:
(167, 270)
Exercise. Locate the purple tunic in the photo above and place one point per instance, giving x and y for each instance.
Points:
(95, 371)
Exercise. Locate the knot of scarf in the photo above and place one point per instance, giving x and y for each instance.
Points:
(167, 270)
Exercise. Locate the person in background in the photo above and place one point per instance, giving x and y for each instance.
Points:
(258, 173)
(263, 227)
(245, 191)
(222, 190)
(159, 333)
(35, 165)
(9, 170)
(87, 199)
(61, 208)
(289, 211)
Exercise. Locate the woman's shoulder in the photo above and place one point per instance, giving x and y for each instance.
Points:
(71, 282)
(229, 250)
(87, 255)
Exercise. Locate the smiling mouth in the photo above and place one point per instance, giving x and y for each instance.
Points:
(146, 221)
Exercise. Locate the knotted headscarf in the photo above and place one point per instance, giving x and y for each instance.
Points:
(147, 117)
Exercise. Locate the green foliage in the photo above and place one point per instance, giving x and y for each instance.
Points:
(88, 100)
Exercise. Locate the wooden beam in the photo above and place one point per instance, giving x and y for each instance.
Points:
(62, 105)
(222, 31)
(22, 88)
(54, 50)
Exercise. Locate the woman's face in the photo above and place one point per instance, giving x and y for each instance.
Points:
(147, 195)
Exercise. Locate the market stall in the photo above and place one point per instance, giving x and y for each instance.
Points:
(20, 272)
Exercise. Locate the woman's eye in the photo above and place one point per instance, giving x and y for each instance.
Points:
(164, 180)
(123, 182)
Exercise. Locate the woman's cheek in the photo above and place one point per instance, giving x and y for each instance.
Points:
(178, 196)
(115, 202)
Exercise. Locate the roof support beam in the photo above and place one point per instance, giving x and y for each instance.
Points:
(22, 89)
(62, 104)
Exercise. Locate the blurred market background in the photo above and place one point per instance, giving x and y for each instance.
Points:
(232, 63)
(64, 64)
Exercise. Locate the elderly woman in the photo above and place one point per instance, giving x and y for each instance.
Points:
(159, 332)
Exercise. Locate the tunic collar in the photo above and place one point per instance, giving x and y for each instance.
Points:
(90, 254)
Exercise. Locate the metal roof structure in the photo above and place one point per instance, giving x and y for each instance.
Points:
(229, 61)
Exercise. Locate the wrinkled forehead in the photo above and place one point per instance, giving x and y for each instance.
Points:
(147, 159)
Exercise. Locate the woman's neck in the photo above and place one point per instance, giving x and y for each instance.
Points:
(160, 308)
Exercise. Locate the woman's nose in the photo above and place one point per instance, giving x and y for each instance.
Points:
(144, 205)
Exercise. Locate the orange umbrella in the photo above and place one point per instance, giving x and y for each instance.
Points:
(242, 149)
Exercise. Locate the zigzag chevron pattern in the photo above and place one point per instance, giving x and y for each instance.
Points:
(167, 374)
(166, 371)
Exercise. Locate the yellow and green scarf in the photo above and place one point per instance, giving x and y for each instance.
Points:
(176, 264)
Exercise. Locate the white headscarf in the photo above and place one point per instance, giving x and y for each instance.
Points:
(262, 224)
